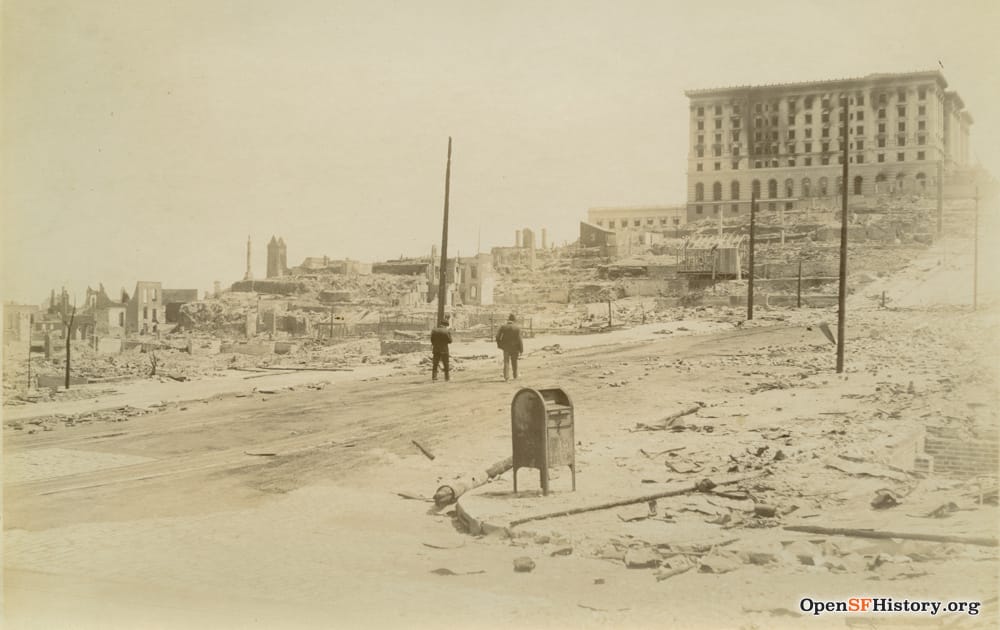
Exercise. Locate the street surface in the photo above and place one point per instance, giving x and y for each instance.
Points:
(282, 509)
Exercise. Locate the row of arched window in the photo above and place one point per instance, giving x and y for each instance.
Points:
(806, 189)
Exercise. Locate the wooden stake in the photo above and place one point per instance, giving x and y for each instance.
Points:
(423, 450)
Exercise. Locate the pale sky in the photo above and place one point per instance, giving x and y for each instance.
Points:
(144, 139)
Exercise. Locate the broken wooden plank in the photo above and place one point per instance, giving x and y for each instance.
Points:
(865, 469)
(665, 422)
(982, 541)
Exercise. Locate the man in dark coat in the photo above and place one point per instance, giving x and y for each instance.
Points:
(440, 338)
(509, 340)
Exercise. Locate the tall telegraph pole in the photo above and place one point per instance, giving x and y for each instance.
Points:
(842, 292)
(975, 257)
(442, 277)
(753, 219)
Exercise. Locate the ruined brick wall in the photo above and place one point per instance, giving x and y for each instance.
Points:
(961, 456)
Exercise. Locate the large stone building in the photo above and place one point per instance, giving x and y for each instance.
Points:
(784, 141)
(639, 218)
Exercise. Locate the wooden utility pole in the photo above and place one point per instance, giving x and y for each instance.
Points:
(940, 196)
(443, 275)
(753, 223)
(842, 291)
(975, 257)
(69, 333)
(798, 290)
(29, 357)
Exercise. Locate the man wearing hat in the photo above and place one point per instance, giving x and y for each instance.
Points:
(440, 338)
(509, 340)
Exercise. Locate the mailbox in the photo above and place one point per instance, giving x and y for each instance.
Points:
(541, 426)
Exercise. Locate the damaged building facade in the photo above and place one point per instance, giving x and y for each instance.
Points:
(783, 142)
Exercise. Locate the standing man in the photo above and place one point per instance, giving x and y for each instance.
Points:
(509, 340)
(440, 338)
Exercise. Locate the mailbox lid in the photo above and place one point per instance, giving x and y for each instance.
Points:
(555, 396)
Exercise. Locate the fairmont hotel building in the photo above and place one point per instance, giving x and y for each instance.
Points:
(784, 141)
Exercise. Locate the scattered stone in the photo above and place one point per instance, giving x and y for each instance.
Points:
(766, 511)
(644, 558)
(524, 564)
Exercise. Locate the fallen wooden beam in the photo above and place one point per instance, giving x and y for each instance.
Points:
(705, 485)
(872, 533)
(264, 374)
(307, 369)
(448, 494)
